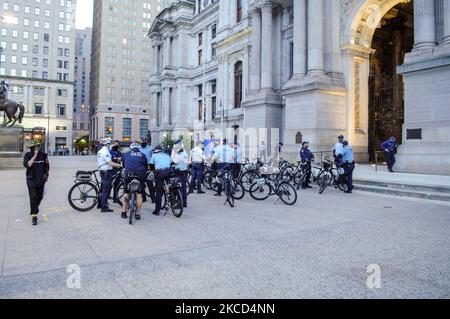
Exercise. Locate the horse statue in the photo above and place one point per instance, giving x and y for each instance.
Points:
(10, 107)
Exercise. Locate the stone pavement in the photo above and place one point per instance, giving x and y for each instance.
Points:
(366, 172)
(319, 248)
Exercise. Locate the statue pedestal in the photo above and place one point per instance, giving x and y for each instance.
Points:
(11, 148)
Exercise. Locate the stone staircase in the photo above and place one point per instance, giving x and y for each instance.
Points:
(439, 193)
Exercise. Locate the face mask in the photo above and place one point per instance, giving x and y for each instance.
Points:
(144, 144)
(115, 148)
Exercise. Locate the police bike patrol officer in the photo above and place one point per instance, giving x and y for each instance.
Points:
(105, 166)
(160, 163)
(348, 160)
(147, 150)
(117, 157)
(197, 158)
(306, 157)
(135, 164)
(389, 147)
(224, 156)
(181, 160)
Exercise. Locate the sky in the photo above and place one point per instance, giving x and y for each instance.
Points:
(84, 14)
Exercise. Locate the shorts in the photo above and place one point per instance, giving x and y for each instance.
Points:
(140, 177)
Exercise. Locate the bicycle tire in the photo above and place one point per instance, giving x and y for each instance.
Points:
(247, 180)
(281, 192)
(178, 198)
(323, 182)
(131, 208)
(239, 191)
(95, 198)
(230, 198)
(255, 188)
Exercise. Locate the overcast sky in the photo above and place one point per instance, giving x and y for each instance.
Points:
(84, 14)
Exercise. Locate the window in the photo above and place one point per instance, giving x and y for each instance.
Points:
(46, 50)
(46, 37)
(238, 84)
(214, 107)
(238, 11)
(38, 108)
(62, 92)
(45, 75)
(200, 39)
(200, 57)
(81, 126)
(126, 129)
(200, 110)
(214, 31)
(61, 110)
(143, 127)
(291, 59)
(109, 127)
(39, 91)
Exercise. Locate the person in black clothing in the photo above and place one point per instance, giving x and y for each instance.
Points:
(38, 167)
(117, 157)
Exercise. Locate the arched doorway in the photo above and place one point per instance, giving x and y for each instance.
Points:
(391, 41)
(376, 34)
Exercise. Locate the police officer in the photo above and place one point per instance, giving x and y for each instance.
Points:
(348, 161)
(135, 163)
(197, 159)
(306, 157)
(105, 165)
(338, 147)
(237, 161)
(224, 156)
(147, 150)
(389, 147)
(181, 160)
(116, 156)
(160, 163)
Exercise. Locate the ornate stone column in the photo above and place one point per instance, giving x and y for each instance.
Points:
(446, 36)
(300, 32)
(424, 24)
(315, 37)
(267, 50)
(167, 45)
(255, 82)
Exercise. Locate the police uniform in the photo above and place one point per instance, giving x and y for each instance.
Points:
(161, 162)
(103, 159)
(348, 160)
(306, 157)
(181, 161)
(237, 160)
(389, 149)
(225, 156)
(135, 163)
(117, 157)
(148, 152)
(197, 159)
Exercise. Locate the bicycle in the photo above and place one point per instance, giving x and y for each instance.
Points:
(232, 188)
(134, 187)
(85, 194)
(172, 197)
(330, 174)
(265, 186)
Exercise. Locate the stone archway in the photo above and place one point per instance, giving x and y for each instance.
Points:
(359, 21)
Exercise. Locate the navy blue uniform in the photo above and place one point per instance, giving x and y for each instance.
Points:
(116, 157)
(389, 149)
(162, 162)
(135, 163)
(306, 157)
(37, 176)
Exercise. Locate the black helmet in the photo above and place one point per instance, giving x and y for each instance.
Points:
(157, 149)
(345, 143)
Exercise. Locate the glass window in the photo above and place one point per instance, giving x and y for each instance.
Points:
(61, 110)
(126, 129)
(38, 108)
(109, 127)
(143, 127)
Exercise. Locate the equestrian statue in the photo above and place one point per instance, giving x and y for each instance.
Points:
(10, 107)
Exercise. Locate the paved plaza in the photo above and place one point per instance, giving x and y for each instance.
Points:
(319, 248)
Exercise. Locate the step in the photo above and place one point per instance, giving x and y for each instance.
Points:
(412, 193)
(403, 186)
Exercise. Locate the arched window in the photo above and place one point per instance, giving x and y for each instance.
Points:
(238, 85)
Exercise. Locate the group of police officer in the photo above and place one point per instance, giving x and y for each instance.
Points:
(141, 157)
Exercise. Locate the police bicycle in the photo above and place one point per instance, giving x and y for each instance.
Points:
(331, 174)
(85, 194)
(273, 183)
(134, 188)
(172, 197)
(232, 188)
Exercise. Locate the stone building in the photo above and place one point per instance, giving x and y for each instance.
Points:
(308, 70)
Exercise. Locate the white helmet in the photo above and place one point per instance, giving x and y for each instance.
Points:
(134, 145)
(106, 141)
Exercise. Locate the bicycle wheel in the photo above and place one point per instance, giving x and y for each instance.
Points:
(83, 196)
(132, 208)
(299, 179)
(247, 180)
(287, 193)
(228, 191)
(238, 191)
(176, 203)
(260, 191)
(324, 181)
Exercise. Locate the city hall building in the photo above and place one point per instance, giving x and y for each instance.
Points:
(311, 70)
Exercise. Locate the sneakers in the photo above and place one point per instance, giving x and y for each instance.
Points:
(124, 215)
(156, 213)
(218, 195)
(137, 216)
(34, 221)
(107, 210)
(201, 192)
